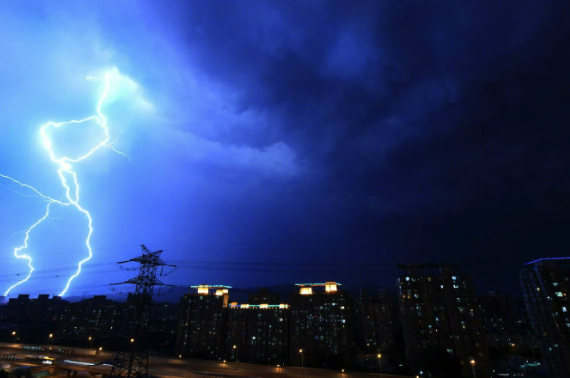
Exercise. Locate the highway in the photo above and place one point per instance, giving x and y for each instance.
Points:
(79, 359)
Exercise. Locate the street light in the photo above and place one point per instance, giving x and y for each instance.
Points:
(235, 353)
(90, 342)
(14, 334)
(302, 362)
(51, 339)
(472, 362)
(379, 356)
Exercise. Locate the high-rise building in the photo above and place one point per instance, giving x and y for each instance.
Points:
(258, 332)
(86, 322)
(546, 288)
(374, 322)
(202, 323)
(441, 320)
(321, 331)
(42, 309)
(507, 330)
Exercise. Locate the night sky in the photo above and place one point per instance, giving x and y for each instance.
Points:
(275, 142)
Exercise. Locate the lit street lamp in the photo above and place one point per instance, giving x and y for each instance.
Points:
(472, 362)
(236, 353)
(380, 363)
(14, 334)
(90, 342)
(302, 362)
(51, 339)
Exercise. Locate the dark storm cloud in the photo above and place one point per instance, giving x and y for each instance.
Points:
(444, 119)
(378, 131)
(348, 85)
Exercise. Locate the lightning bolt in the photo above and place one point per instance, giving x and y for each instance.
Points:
(68, 178)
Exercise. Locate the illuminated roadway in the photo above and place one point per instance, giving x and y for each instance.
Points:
(165, 367)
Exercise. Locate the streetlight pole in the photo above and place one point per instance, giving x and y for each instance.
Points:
(380, 363)
(302, 362)
(14, 334)
(236, 353)
(51, 339)
(473, 368)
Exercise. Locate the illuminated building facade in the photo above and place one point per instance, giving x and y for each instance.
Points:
(506, 326)
(259, 332)
(91, 318)
(321, 331)
(441, 320)
(202, 325)
(375, 322)
(546, 288)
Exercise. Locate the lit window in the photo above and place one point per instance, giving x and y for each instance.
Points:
(202, 289)
(330, 287)
(564, 309)
(558, 293)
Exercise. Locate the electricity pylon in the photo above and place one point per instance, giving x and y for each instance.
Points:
(134, 364)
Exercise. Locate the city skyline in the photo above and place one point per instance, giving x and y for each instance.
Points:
(434, 326)
(273, 142)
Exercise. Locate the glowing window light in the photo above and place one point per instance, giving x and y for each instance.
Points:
(264, 305)
(330, 287)
(220, 292)
(203, 290)
(244, 306)
(306, 290)
(282, 305)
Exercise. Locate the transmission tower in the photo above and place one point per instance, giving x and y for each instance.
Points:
(134, 364)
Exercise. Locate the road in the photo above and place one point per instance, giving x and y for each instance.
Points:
(166, 367)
